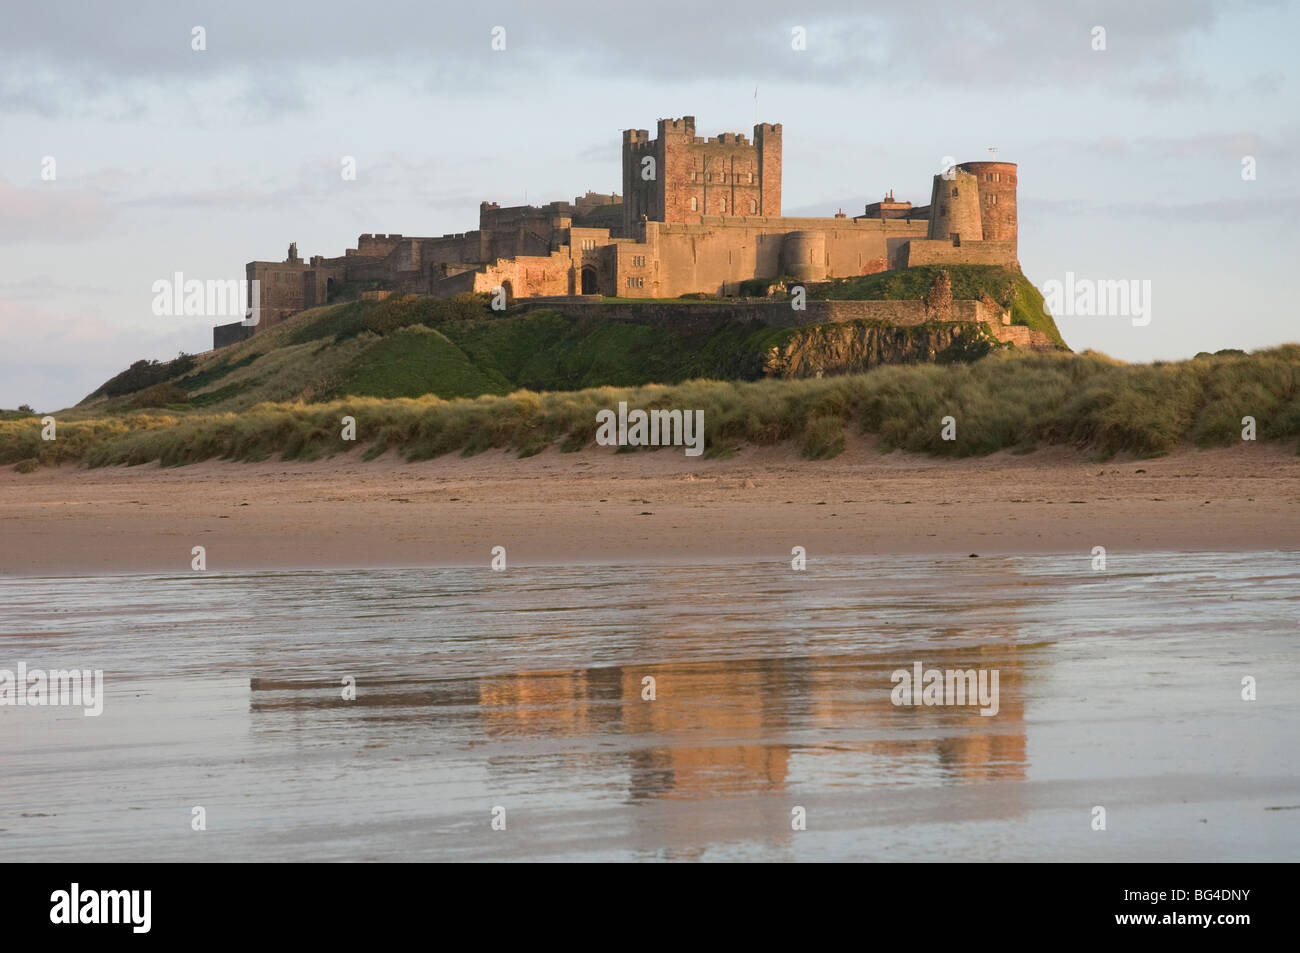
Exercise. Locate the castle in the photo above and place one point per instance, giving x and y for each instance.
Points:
(698, 215)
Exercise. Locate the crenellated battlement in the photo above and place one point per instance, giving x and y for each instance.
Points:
(727, 174)
(678, 127)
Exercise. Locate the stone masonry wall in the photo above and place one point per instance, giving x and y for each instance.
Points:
(936, 252)
(715, 255)
(528, 276)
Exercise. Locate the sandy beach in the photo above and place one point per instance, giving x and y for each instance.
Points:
(524, 689)
(597, 506)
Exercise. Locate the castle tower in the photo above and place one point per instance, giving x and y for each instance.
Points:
(955, 208)
(678, 178)
(726, 175)
(803, 255)
(997, 190)
(767, 139)
(641, 197)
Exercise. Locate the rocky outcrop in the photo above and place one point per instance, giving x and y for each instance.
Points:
(855, 346)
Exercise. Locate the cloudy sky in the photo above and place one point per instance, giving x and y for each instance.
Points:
(170, 159)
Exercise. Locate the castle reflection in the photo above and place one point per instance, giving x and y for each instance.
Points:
(727, 728)
(732, 727)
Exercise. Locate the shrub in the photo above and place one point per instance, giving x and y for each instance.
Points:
(160, 395)
(144, 374)
(823, 438)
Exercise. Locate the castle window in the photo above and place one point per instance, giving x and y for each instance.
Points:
(638, 261)
(753, 207)
(636, 282)
(954, 193)
(724, 206)
(588, 244)
(695, 204)
(751, 178)
(723, 177)
(992, 200)
(710, 176)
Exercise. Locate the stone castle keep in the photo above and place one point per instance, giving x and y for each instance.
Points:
(698, 215)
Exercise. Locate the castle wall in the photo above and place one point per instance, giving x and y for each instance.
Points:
(368, 270)
(375, 246)
(522, 229)
(454, 284)
(224, 335)
(528, 275)
(710, 256)
(931, 252)
(459, 249)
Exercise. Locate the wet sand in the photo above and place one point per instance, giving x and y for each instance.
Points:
(596, 506)
(524, 691)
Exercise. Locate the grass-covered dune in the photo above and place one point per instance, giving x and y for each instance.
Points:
(1008, 400)
(413, 346)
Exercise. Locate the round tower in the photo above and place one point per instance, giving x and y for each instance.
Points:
(955, 207)
(803, 255)
(997, 190)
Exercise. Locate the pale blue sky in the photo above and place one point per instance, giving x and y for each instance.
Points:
(174, 160)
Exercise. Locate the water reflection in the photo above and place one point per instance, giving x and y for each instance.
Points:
(772, 693)
(721, 728)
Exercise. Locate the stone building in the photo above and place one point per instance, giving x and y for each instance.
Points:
(697, 215)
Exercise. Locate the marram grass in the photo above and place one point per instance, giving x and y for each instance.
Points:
(1013, 401)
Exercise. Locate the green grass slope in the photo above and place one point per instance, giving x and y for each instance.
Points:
(414, 361)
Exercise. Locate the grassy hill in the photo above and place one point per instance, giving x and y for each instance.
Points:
(412, 346)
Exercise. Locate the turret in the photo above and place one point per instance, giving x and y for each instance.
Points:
(955, 207)
(803, 255)
(997, 190)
